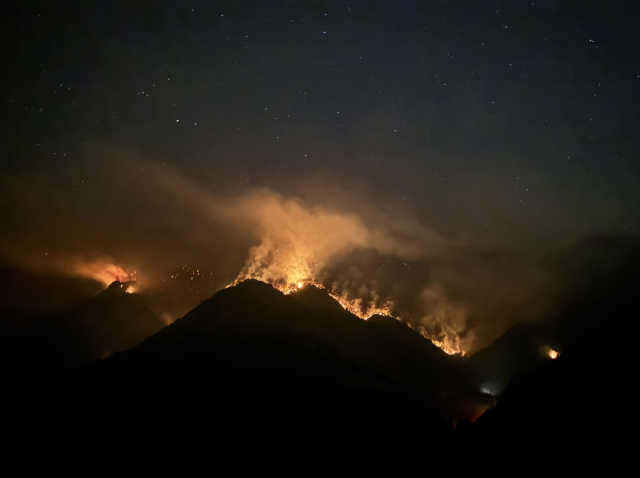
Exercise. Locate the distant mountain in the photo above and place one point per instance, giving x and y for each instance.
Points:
(600, 278)
(578, 409)
(23, 292)
(580, 404)
(40, 344)
(112, 321)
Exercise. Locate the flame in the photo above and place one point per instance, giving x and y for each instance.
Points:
(442, 323)
(549, 352)
(294, 274)
(447, 346)
(354, 306)
(299, 243)
(283, 286)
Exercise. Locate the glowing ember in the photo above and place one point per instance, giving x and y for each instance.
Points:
(549, 352)
(285, 287)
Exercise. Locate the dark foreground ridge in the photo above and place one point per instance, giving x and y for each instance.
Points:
(73, 331)
(579, 408)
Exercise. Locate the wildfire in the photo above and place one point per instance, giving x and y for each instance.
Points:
(549, 352)
(103, 270)
(285, 287)
(298, 244)
(355, 306)
(446, 346)
(352, 305)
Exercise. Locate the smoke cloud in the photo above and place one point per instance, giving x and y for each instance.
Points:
(297, 243)
(103, 270)
(120, 213)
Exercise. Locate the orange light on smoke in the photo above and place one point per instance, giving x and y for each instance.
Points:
(549, 352)
(102, 270)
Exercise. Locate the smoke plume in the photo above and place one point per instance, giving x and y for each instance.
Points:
(121, 213)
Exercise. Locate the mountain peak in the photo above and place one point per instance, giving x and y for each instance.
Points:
(117, 287)
(317, 298)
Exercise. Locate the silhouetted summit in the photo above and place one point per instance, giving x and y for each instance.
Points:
(117, 287)
(88, 328)
(253, 358)
(251, 333)
(586, 394)
(317, 298)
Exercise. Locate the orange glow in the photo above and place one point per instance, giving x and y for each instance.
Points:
(297, 243)
(549, 352)
(355, 307)
(102, 270)
(285, 287)
(166, 318)
(442, 322)
(449, 345)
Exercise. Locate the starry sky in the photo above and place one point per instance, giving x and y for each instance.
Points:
(506, 126)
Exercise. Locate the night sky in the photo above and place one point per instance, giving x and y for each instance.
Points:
(427, 157)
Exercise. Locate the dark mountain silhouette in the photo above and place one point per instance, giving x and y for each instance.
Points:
(23, 292)
(253, 360)
(40, 344)
(523, 348)
(584, 396)
(576, 409)
(112, 321)
(599, 278)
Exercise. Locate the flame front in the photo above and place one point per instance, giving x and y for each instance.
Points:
(298, 245)
(549, 352)
(449, 344)
(296, 276)
(450, 347)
